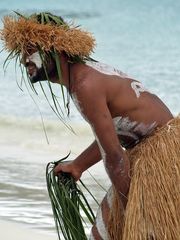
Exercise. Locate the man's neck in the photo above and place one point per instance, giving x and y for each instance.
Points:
(65, 68)
(71, 72)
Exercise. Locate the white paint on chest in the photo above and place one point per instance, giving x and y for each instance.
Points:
(36, 59)
(130, 133)
(132, 130)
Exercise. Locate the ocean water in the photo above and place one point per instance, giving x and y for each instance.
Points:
(140, 38)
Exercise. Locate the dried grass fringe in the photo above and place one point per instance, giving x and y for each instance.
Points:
(153, 208)
(116, 218)
(20, 34)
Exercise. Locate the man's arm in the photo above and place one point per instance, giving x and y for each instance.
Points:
(85, 160)
(94, 106)
(88, 157)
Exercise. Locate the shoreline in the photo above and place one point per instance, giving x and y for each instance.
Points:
(11, 230)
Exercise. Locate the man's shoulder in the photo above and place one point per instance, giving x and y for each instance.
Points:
(88, 83)
(87, 88)
(106, 69)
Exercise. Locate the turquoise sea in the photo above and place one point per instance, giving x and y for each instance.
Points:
(141, 38)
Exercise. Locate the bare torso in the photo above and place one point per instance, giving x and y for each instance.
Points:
(135, 111)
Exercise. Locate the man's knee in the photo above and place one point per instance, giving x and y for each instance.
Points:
(100, 228)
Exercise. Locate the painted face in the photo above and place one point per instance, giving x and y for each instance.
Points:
(35, 68)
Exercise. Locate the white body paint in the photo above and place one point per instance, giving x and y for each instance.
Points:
(101, 226)
(99, 220)
(106, 69)
(132, 130)
(109, 197)
(36, 59)
(91, 236)
(124, 127)
(138, 88)
(103, 154)
(77, 104)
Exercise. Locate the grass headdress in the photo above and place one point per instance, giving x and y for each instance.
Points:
(47, 34)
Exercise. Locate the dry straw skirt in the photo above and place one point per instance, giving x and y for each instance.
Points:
(153, 208)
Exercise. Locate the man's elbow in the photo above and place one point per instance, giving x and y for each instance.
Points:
(117, 167)
(116, 159)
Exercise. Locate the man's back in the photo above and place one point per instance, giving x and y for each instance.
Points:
(134, 110)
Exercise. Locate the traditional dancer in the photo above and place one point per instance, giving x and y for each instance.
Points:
(136, 135)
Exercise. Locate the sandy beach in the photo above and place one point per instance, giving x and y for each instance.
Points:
(11, 230)
(31, 135)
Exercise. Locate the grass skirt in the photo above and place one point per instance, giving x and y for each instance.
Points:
(153, 208)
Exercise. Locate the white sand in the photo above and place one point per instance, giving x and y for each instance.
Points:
(11, 230)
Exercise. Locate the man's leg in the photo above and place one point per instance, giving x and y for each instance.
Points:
(100, 228)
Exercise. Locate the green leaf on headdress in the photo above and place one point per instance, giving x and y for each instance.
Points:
(20, 15)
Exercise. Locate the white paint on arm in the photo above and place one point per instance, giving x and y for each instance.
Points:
(78, 106)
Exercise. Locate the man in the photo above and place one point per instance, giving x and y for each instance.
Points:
(124, 116)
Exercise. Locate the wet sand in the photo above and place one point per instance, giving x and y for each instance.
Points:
(11, 230)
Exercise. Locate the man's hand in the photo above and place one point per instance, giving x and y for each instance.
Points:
(68, 167)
